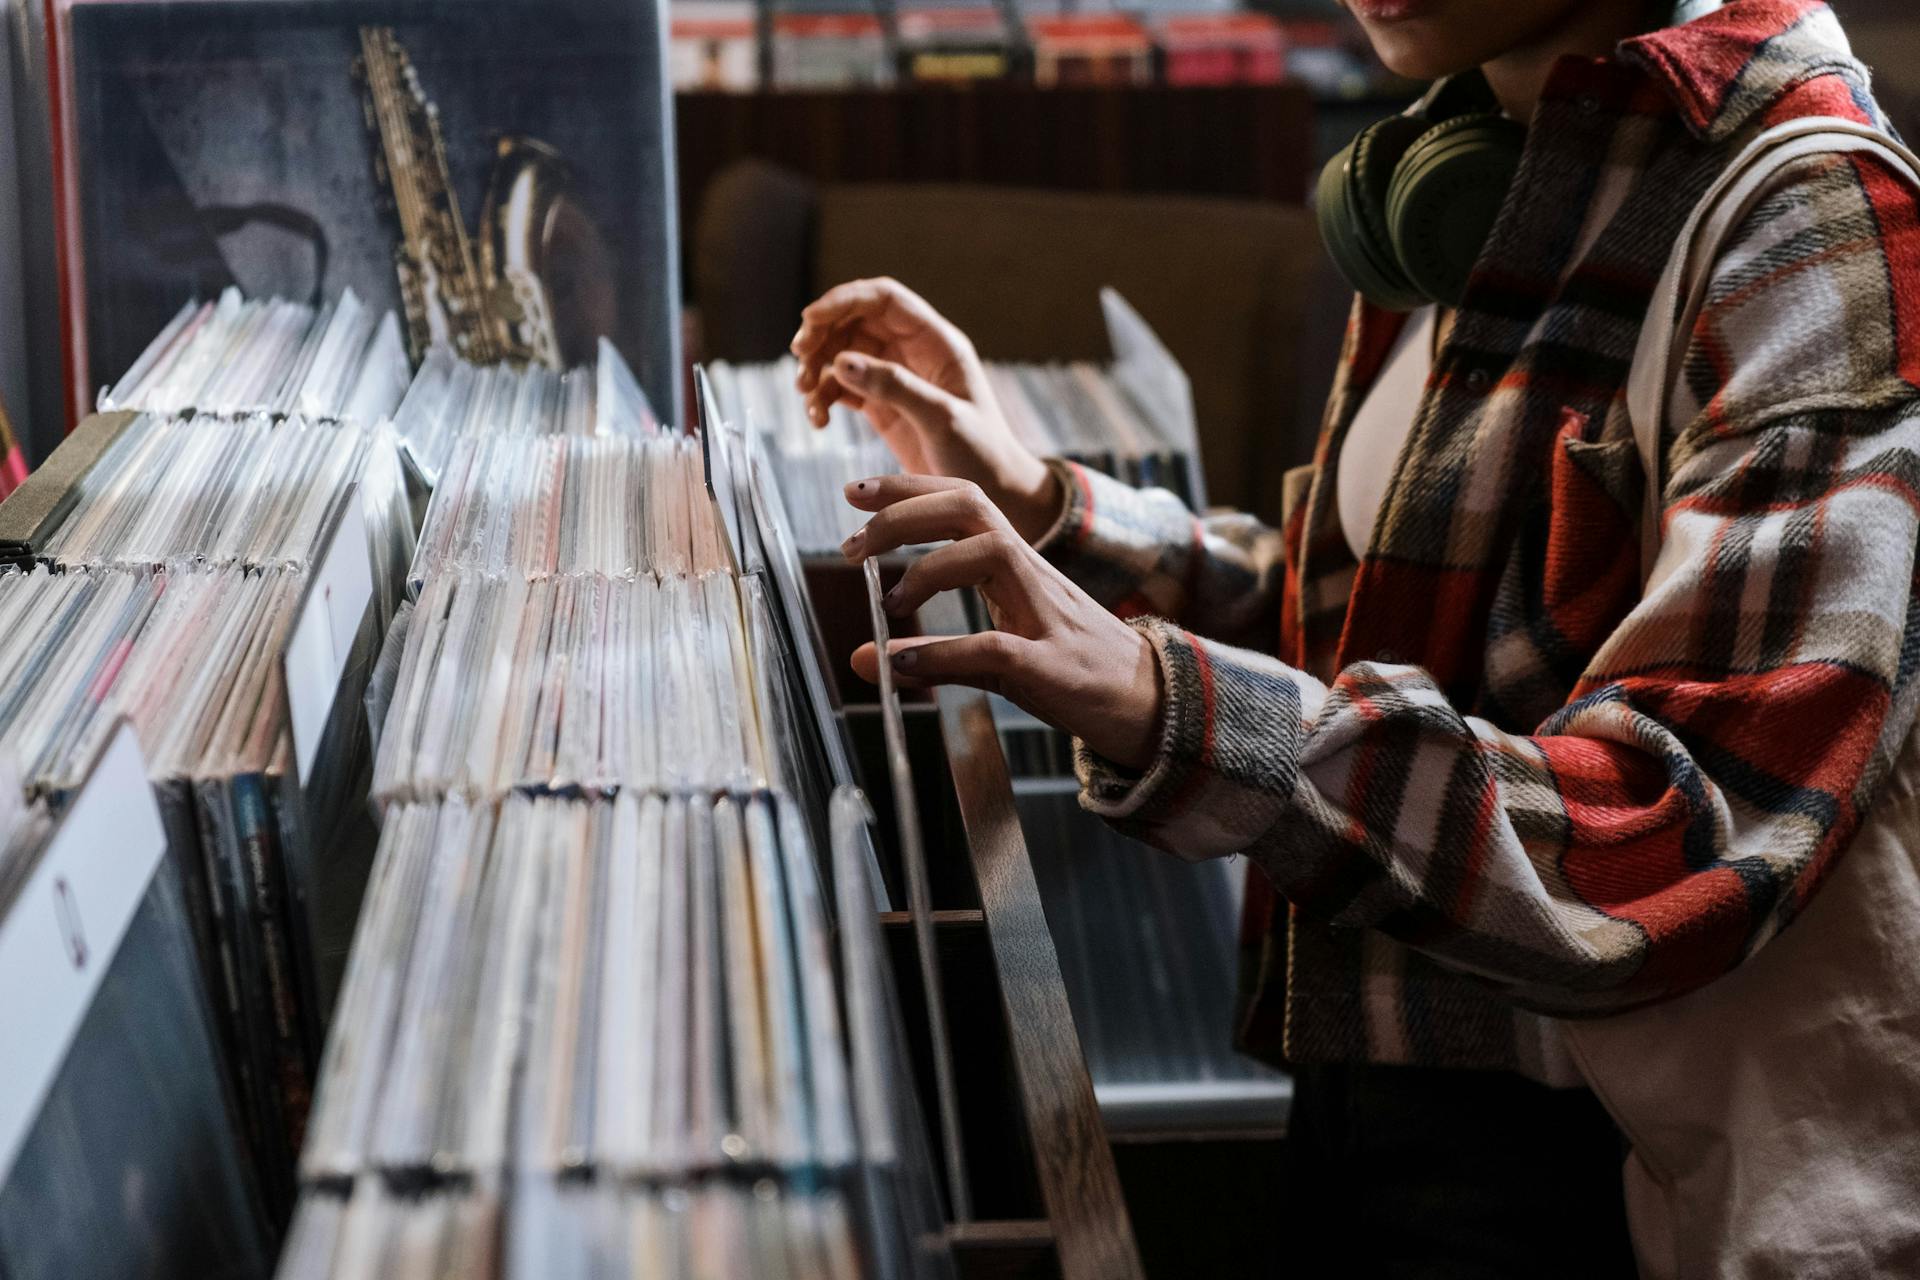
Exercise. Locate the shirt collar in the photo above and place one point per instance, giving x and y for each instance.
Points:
(1722, 64)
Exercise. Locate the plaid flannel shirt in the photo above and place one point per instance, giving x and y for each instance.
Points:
(1488, 778)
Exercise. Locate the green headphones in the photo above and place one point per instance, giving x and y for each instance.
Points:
(1407, 207)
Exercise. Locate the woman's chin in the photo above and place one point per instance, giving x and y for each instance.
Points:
(1423, 70)
(1414, 56)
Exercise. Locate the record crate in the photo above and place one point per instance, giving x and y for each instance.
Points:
(1041, 1196)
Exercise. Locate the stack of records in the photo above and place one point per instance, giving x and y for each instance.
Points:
(1147, 952)
(244, 493)
(1079, 410)
(577, 681)
(635, 988)
(118, 1149)
(194, 659)
(815, 463)
(809, 752)
(580, 1231)
(172, 650)
(453, 399)
(206, 551)
(533, 506)
(592, 1022)
(238, 357)
(604, 1037)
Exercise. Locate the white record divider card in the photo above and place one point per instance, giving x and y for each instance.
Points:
(59, 939)
(325, 628)
(720, 455)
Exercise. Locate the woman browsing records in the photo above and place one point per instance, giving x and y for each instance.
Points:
(1497, 784)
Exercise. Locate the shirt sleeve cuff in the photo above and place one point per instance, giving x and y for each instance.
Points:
(1067, 527)
(1228, 759)
(1116, 792)
(1131, 549)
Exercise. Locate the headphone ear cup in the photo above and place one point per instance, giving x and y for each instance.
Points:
(1444, 197)
(1351, 208)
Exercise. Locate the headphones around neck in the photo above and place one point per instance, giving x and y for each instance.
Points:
(1406, 209)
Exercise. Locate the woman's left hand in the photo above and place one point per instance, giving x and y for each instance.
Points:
(1056, 652)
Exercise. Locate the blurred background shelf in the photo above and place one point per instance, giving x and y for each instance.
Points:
(1248, 141)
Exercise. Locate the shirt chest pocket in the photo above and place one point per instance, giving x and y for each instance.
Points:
(1593, 479)
(1573, 574)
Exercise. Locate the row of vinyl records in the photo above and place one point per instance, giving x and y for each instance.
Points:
(194, 661)
(227, 660)
(643, 994)
(272, 359)
(236, 357)
(577, 681)
(764, 1230)
(682, 657)
(639, 987)
(530, 506)
(179, 576)
(605, 1037)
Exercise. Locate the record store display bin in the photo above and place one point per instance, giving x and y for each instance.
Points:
(517, 1080)
(495, 1096)
(435, 838)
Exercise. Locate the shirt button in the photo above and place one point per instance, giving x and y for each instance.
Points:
(1477, 380)
(1589, 105)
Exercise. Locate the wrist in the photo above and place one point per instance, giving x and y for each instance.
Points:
(1031, 497)
(1141, 723)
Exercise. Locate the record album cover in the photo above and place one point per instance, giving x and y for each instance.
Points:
(496, 172)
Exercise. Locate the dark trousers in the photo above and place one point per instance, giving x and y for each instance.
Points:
(1453, 1175)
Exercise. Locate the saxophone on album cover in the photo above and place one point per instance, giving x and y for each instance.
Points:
(493, 300)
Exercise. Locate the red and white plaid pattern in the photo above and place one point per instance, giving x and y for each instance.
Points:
(1486, 774)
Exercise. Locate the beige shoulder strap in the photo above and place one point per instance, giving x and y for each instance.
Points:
(1683, 284)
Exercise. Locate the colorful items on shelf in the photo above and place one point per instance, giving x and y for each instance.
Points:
(1090, 48)
(1221, 48)
(743, 45)
(715, 44)
(962, 45)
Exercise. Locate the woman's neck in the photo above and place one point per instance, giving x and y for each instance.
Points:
(1590, 28)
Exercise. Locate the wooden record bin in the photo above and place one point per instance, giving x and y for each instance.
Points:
(1046, 1196)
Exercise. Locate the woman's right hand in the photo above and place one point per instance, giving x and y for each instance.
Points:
(877, 346)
